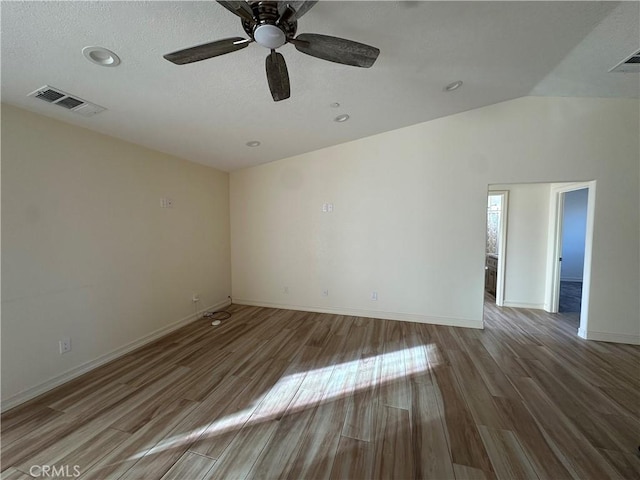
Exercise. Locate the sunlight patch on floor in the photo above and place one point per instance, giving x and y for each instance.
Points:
(340, 380)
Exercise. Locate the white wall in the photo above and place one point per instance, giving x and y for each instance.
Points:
(526, 249)
(574, 229)
(410, 210)
(88, 253)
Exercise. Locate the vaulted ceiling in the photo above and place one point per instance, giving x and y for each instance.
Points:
(208, 111)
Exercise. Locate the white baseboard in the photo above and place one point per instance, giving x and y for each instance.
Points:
(609, 337)
(58, 380)
(405, 317)
(535, 306)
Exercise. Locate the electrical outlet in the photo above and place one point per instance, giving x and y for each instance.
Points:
(285, 290)
(374, 295)
(65, 345)
(195, 298)
(325, 293)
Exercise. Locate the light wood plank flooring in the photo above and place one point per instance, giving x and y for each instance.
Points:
(283, 394)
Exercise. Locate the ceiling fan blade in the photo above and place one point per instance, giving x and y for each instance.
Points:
(299, 9)
(207, 50)
(277, 76)
(239, 8)
(336, 49)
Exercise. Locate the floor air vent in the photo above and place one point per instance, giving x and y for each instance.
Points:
(630, 65)
(72, 103)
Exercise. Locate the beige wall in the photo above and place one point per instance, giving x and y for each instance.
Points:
(409, 213)
(526, 246)
(88, 253)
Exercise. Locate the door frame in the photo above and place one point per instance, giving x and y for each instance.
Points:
(502, 244)
(556, 211)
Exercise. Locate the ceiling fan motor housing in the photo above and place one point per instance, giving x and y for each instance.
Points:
(267, 31)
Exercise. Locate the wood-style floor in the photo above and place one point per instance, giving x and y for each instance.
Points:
(284, 394)
(570, 297)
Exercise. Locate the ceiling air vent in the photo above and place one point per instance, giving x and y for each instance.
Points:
(72, 103)
(630, 65)
(49, 95)
(69, 102)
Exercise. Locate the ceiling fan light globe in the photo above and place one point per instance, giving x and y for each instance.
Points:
(269, 36)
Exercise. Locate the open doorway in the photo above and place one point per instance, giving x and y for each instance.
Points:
(529, 266)
(574, 230)
(497, 214)
(556, 257)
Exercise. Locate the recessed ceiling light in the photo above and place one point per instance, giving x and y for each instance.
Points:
(334, 105)
(253, 143)
(101, 56)
(453, 86)
(341, 118)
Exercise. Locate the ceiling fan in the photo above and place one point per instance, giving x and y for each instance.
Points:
(272, 24)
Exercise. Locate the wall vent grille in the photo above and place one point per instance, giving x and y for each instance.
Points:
(631, 64)
(62, 99)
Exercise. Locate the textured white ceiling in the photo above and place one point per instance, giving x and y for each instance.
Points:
(207, 111)
(585, 72)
